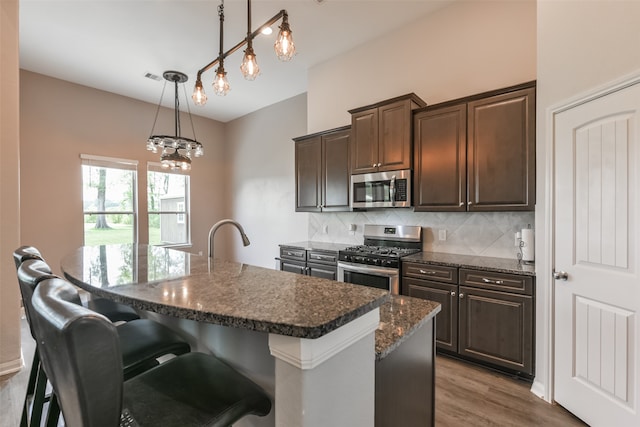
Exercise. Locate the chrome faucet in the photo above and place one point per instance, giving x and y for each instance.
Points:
(212, 233)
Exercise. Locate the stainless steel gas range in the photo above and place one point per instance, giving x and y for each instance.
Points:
(376, 263)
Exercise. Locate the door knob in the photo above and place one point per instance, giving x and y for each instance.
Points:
(560, 275)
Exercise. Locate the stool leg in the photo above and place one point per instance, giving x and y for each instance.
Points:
(31, 386)
(39, 397)
(54, 411)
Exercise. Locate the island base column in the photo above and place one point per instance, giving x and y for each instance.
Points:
(328, 381)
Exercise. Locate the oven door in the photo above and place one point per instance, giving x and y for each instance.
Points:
(370, 275)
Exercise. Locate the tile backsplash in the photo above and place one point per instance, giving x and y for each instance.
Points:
(467, 233)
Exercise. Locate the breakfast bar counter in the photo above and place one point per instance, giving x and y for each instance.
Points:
(332, 342)
(188, 286)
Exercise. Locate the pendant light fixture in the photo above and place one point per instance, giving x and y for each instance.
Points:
(284, 48)
(176, 151)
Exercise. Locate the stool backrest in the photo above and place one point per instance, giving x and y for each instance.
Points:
(30, 273)
(24, 253)
(80, 351)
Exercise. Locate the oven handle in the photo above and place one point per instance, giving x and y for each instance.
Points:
(368, 269)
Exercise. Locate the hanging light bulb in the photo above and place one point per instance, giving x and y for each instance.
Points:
(220, 82)
(249, 67)
(284, 47)
(199, 97)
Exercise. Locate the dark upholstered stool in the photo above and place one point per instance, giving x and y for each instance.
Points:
(81, 353)
(24, 253)
(142, 341)
(114, 311)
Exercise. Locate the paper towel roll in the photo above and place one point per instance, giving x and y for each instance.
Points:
(528, 244)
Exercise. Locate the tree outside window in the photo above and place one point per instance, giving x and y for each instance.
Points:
(109, 200)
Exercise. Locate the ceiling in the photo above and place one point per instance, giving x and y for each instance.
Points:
(112, 44)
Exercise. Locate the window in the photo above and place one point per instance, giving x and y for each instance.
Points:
(168, 205)
(109, 200)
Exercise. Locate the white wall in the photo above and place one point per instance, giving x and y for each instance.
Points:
(10, 356)
(262, 180)
(581, 45)
(463, 49)
(460, 50)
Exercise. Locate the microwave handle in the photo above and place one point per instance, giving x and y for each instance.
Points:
(392, 190)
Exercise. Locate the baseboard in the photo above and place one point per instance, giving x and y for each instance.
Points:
(539, 390)
(11, 366)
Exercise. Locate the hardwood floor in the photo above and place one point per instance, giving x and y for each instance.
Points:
(466, 395)
(469, 395)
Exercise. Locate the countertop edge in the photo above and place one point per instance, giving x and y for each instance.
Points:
(309, 332)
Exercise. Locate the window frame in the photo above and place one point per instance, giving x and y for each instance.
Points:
(185, 213)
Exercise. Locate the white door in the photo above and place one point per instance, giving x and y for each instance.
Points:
(596, 244)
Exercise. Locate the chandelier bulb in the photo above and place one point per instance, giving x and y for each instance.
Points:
(284, 47)
(220, 82)
(249, 67)
(199, 97)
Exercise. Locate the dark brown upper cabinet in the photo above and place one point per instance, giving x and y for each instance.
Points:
(477, 153)
(322, 171)
(381, 135)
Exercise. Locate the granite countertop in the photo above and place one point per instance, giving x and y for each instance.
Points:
(399, 319)
(323, 246)
(500, 265)
(190, 286)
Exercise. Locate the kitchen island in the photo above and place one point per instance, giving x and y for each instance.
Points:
(321, 333)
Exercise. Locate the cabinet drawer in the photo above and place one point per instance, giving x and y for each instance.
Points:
(323, 257)
(512, 283)
(430, 272)
(293, 253)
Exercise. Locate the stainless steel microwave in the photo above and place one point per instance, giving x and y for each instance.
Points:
(391, 189)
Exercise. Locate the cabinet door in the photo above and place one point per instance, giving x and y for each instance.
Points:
(335, 171)
(441, 159)
(447, 319)
(293, 267)
(308, 174)
(364, 141)
(323, 271)
(394, 136)
(501, 150)
(496, 327)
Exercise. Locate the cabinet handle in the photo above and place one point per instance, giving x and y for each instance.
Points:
(493, 282)
(461, 295)
(469, 203)
(453, 293)
(461, 203)
(428, 272)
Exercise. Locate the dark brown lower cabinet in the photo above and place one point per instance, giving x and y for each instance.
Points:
(446, 295)
(316, 263)
(496, 327)
(486, 316)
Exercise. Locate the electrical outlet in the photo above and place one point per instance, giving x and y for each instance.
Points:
(325, 229)
(518, 237)
(442, 234)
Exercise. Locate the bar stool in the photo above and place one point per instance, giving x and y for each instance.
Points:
(142, 341)
(114, 311)
(80, 350)
(36, 384)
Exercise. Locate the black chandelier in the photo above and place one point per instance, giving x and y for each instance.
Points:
(284, 47)
(176, 150)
